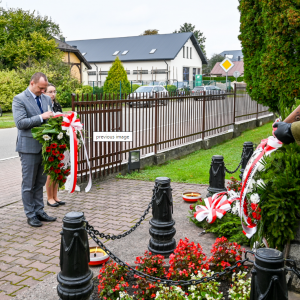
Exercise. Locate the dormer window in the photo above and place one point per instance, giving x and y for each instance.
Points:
(125, 52)
(116, 52)
(152, 51)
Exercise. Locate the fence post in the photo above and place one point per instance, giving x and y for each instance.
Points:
(162, 230)
(256, 110)
(247, 153)
(216, 176)
(73, 100)
(155, 125)
(75, 276)
(203, 119)
(268, 276)
(234, 100)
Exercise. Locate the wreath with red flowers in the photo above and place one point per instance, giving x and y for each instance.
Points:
(55, 142)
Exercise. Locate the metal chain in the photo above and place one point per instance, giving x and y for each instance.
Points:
(142, 218)
(293, 268)
(231, 172)
(163, 281)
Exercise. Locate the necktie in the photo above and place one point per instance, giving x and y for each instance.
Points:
(39, 103)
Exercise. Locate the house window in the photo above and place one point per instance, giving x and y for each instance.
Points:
(152, 51)
(116, 52)
(183, 51)
(187, 52)
(186, 74)
(191, 53)
(125, 52)
(198, 71)
(239, 58)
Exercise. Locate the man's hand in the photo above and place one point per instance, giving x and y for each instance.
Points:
(283, 132)
(46, 115)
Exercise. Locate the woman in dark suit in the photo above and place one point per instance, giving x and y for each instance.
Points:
(51, 188)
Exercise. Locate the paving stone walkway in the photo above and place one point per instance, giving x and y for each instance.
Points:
(30, 255)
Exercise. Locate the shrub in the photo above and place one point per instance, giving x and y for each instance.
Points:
(116, 74)
(152, 265)
(11, 84)
(171, 88)
(111, 281)
(225, 254)
(187, 259)
(98, 90)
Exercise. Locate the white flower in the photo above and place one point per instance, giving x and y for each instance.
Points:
(254, 198)
(46, 137)
(236, 208)
(251, 185)
(60, 136)
(233, 194)
(260, 183)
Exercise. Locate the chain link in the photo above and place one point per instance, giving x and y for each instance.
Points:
(231, 172)
(163, 281)
(142, 218)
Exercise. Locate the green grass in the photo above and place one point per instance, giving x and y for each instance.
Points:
(194, 168)
(7, 120)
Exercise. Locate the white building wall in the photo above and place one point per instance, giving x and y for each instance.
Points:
(175, 67)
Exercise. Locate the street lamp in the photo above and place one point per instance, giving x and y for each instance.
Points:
(134, 160)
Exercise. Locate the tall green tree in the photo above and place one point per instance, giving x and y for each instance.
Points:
(150, 32)
(270, 37)
(116, 74)
(26, 38)
(211, 63)
(188, 27)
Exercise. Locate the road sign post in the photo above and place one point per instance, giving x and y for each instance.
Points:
(226, 65)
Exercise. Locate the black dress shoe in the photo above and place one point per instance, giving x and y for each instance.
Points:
(53, 205)
(44, 217)
(60, 202)
(34, 222)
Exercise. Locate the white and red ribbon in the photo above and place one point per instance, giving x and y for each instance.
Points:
(216, 207)
(72, 124)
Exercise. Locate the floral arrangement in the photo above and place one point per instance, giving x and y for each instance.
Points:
(234, 185)
(187, 256)
(225, 254)
(111, 281)
(187, 259)
(152, 265)
(55, 148)
(240, 287)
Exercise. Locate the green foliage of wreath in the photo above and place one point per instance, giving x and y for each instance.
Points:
(280, 197)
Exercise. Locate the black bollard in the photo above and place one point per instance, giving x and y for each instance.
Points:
(268, 276)
(75, 276)
(216, 176)
(247, 151)
(162, 230)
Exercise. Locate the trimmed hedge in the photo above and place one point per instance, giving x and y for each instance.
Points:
(231, 78)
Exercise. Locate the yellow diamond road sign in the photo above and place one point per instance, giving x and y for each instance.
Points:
(226, 64)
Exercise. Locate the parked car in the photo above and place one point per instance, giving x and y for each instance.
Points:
(148, 92)
(208, 90)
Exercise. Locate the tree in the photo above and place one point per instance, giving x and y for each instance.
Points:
(116, 74)
(270, 36)
(150, 32)
(212, 62)
(25, 38)
(188, 27)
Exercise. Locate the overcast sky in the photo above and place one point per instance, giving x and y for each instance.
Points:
(92, 19)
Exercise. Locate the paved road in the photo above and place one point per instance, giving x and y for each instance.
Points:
(8, 139)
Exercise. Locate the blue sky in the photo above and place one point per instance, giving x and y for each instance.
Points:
(92, 19)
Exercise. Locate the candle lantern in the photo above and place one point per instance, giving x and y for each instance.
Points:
(75, 276)
(134, 160)
(191, 197)
(162, 230)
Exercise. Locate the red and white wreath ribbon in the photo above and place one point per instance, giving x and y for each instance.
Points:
(265, 148)
(72, 124)
(216, 206)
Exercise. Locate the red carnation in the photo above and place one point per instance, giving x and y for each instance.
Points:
(60, 165)
(48, 149)
(57, 171)
(53, 146)
(60, 177)
(61, 157)
(63, 146)
(51, 158)
(51, 169)
(53, 152)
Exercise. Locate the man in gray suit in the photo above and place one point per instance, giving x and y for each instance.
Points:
(30, 109)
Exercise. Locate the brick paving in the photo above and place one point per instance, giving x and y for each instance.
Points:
(29, 255)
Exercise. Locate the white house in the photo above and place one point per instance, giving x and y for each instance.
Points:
(161, 57)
